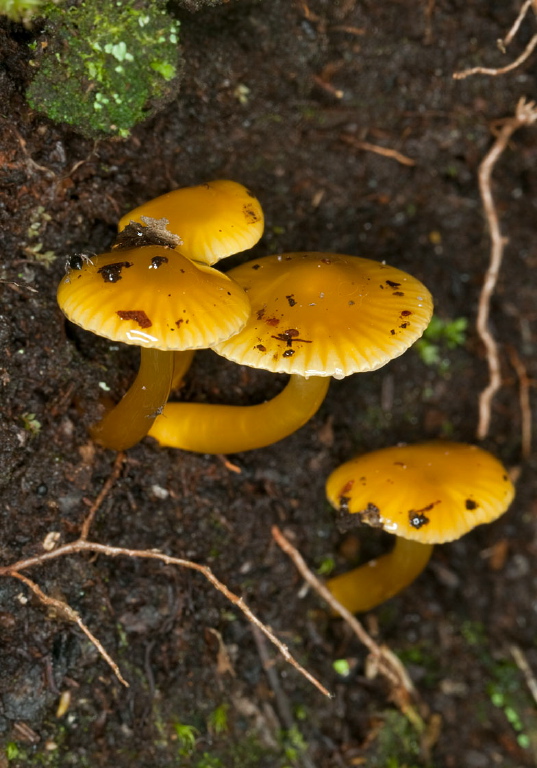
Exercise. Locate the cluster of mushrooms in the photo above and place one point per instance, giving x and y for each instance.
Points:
(310, 315)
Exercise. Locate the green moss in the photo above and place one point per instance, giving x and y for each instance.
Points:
(397, 744)
(104, 66)
(20, 10)
(439, 336)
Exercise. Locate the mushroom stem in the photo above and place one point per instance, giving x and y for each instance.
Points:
(371, 584)
(132, 417)
(208, 428)
(181, 363)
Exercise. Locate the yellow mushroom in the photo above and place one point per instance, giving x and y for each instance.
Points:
(213, 220)
(314, 316)
(157, 299)
(424, 494)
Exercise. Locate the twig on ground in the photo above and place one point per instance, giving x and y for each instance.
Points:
(18, 286)
(73, 616)
(105, 490)
(83, 545)
(403, 691)
(229, 464)
(384, 151)
(282, 702)
(524, 399)
(148, 554)
(328, 87)
(502, 44)
(501, 70)
(29, 161)
(525, 114)
(516, 25)
(524, 667)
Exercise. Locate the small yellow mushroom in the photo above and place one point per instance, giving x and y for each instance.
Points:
(213, 220)
(424, 494)
(157, 299)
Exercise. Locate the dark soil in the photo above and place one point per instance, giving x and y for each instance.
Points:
(319, 74)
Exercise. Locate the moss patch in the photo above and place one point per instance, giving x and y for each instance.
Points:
(103, 67)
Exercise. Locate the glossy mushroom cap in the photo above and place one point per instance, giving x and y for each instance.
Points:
(325, 314)
(153, 297)
(213, 220)
(430, 492)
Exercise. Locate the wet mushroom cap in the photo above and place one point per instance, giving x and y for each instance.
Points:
(430, 492)
(325, 314)
(213, 220)
(153, 297)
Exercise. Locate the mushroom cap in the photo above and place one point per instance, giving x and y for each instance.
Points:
(325, 314)
(430, 492)
(153, 297)
(213, 220)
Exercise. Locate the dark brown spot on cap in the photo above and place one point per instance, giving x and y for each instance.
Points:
(398, 293)
(288, 353)
(256, 266)
(289, 336)
(272, 321)
(260, 347)
(249, 214)
(406, 313)
(111, 273)
(404, 325)
(470, 504)
(346, 488)
(392, 284)
(138, 315)
(417, 519)
(158, 261)
(291, 300)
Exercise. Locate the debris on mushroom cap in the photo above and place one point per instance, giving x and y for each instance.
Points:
(213, 220)
(430, 492)
(153, 297)
(325, 314)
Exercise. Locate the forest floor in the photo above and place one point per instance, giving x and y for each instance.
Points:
(287, 97)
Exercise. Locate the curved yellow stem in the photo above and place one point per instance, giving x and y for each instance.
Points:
(374, 582)
(234, 428)
(130, 420)
(181, 363)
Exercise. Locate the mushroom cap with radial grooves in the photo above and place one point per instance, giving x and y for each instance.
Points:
(213, 220)
(153, 297)
(326, 314)
(430, 492)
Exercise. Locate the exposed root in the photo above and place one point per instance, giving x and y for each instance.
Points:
(502, 44)
(378, 150)
(65, 610)
(525, 115)
(382, 659)
(83, 545)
